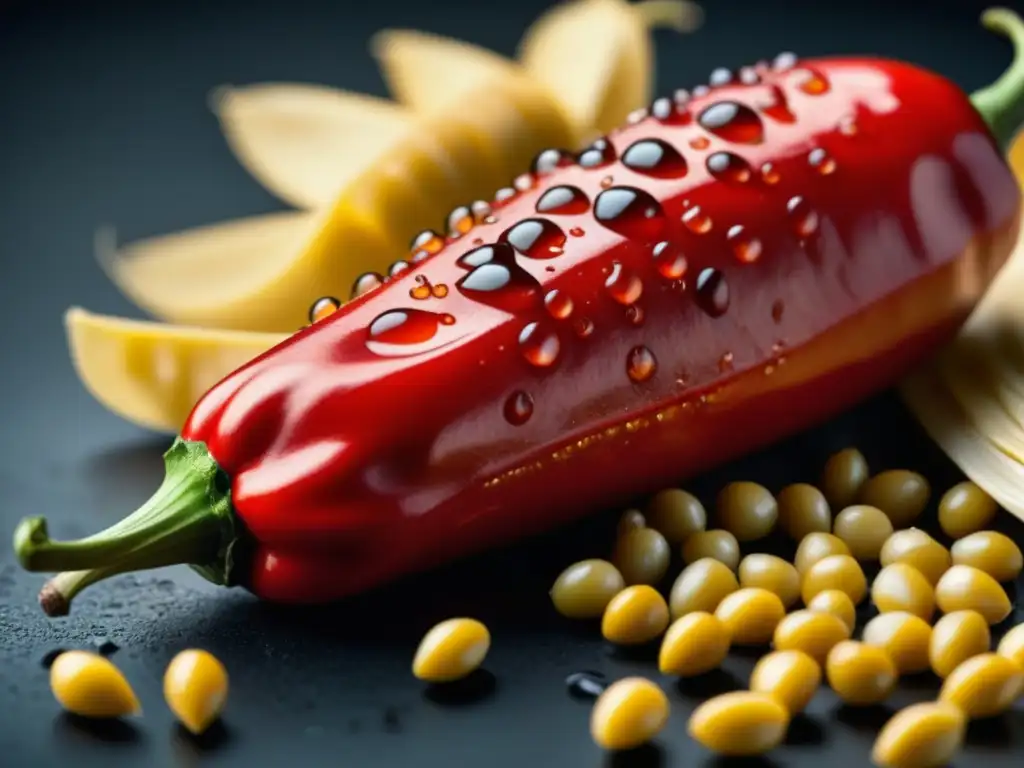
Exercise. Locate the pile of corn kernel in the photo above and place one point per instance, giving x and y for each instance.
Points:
(89, 685)
(720, 601)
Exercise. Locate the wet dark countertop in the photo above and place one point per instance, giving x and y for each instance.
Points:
(103, 119)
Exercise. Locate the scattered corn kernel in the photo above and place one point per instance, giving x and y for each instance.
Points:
(751, 615)
(994, 553)
(701, 586)
(196, 689)
(642, 556)
(677, 514)
(89, 685)
(956, 637)
(1012, 645)
(694, 644)
(746, 509)
(584, 589)
(901, 494)
(900, 587)
(964, 509)
(840, 572)
(631, 519)
(918, 550)
(965, 588)
(864, 529)
(837, 603)
(771, 573)
(790, 677)
(716, 544)
(904, 636)
(629, 713)
(636, 615)
(739, 723)
(924, 735)
(984, 686)
(844, 475)
(803, 509)
(859, 673)
(812, 632)
(451, 650)
(817, 546)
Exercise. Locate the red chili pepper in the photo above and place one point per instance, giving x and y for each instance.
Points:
(730, 268)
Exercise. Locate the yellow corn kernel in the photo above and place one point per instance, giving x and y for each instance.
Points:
(630, 712)
(990, 551)
(1012, 645)
(840, 572)
(701, 586)
(817, 546)
(196, 688)
(739, 723)
(904, 636)
(751, 615)
(924, 735)
(694, 644)
(790, 677)
(984, 685)
(965, 588)
(812, 632)
(451, 650)
(957, 637)
(636, 615)
(88, 685)
(859, 673)
(900, 587)
(771, 573)
(918, 550)
(837, 603)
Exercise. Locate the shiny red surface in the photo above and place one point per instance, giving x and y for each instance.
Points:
(354, 462)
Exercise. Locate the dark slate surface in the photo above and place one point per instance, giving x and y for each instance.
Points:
(103, 120)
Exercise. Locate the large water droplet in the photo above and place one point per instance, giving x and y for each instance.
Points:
(550, 159)
(697, 221)
(671, 111)
(630, 212)
(518, 408)
(559, 304)
(640, 364)
(654, 157)
(365, 283)
(598, 154)
(804, 217)
(821, 161)
(428, 240)
(712, 292)
(540, 346)
(733, 122)
(563, 200)
(496, 279)
(485, 254)
(460, 221)
(726, 166)
(669, 260)
(322, 308)
(746, 247)
(811, 82)
(406, 326)
(623, 285)
(536, 238)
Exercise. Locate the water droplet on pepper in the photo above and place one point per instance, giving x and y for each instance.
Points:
(559, 304)
(697, 221)
(428, 240)
(505, 195)
(322, 308)
(820, 160)
(630, 212)
(720, 76)
(769, 174)
(518, 408)
(700, 142)
(726, 166)
(804, 218)
(422, 289)
(365, 283)
(549, 160)
(811, 82)
(460, 221)
(563, 200)
(784, 61)
(732, 121)
(540, 346)
(577, 232)
(671, 112)
(635, 315)
(398, 268)
(669, 260)
(406, 326)
(623, 285)
(536, 238)
(598, 154)
(747, 248)
(712, 292)
(640, 364)
(654, 157)
(583, 326)
(725, 362)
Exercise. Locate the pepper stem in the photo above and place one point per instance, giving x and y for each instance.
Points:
(1001, 104)
(188, 520)
(678, 15)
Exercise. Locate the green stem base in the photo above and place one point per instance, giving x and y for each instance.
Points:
(188, 520)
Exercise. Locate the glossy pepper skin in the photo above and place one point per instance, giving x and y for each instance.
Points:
(730, 268)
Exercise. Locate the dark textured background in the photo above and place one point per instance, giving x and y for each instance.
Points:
(103, 119)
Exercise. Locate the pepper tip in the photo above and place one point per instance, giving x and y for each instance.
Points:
(53, 602)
